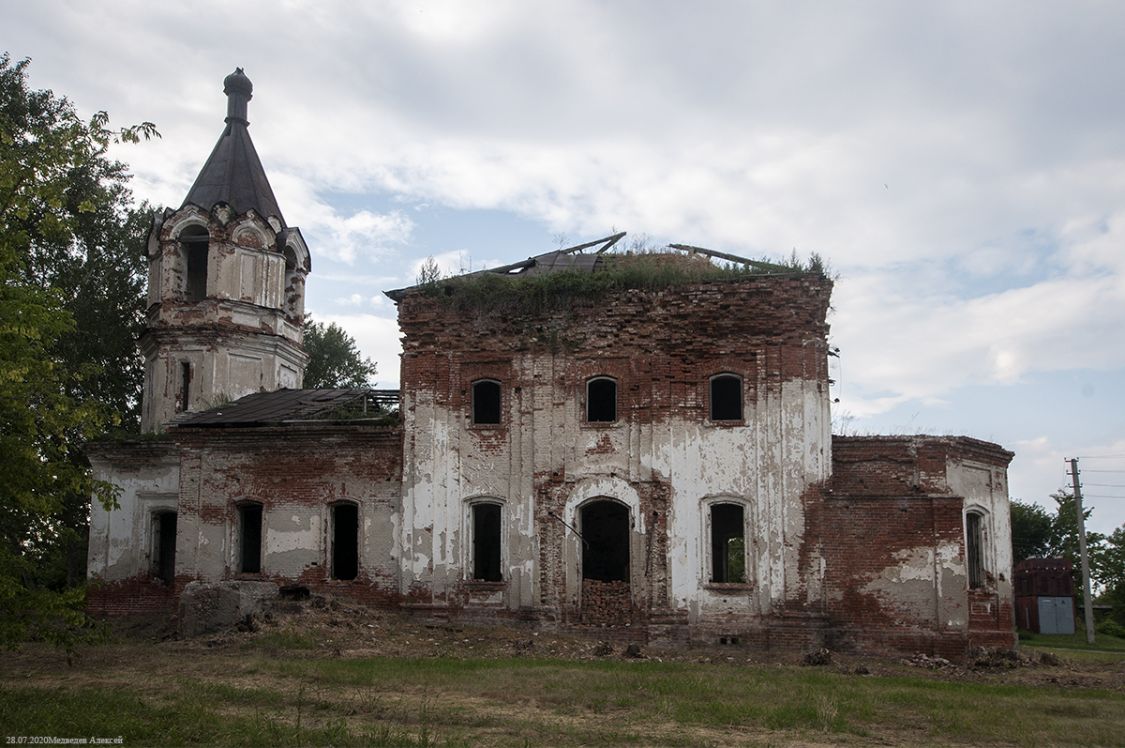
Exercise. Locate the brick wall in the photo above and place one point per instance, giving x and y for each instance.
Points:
(894, 546)
(661, 346)
(139, 595)
(296, 473)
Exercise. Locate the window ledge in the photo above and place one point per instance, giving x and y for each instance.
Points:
(728, 586)
(484, 585)
(726, 424)
(600, 424)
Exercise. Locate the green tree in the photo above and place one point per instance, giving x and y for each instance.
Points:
(1113, 562)
(1064, 543)
(334, 358)
(64, 222)
(1032, 528)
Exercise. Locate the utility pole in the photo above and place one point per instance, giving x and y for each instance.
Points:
(1087, 603)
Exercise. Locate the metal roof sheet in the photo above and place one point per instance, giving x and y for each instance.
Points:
(285, 406)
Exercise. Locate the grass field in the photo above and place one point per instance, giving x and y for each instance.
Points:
(1077, 640)
(286, 687)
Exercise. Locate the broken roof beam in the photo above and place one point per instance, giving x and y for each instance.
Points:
(768, 267)
(605, 241)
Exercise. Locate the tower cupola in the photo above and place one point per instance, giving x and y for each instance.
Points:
(239, 91)
(226, 283)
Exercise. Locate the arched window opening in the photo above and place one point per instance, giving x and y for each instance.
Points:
(728, 543)
(345, 541)
(974, 549)
(726, 398)
(486, 401)
(250, 538)
(605, 541)
(164, 546)
(601, 400)
(486, 542)
(195, 240)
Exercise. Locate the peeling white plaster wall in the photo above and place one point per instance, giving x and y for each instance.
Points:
(120, 539)
(768, 463)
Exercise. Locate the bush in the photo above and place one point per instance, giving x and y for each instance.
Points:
(1110, 627)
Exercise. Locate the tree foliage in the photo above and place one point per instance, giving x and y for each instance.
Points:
(1113, 559)
(334, 358)
(1032, 531)
(70, 308)
(1036, 533)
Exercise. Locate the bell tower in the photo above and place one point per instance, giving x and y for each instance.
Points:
(226, 284)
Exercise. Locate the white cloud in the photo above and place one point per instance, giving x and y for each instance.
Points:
(451, 263)
(962, 166)
(376, 337)
(1041, 468)
(336, 236)
(904, 339)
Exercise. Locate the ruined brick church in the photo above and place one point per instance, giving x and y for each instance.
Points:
(587, 438)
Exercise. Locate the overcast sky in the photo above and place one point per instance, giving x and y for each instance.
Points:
(960, 165)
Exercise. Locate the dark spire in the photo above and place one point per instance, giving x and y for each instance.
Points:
(234, 174)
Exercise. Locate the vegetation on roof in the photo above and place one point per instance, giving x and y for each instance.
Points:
(645, 270)
(369, 410)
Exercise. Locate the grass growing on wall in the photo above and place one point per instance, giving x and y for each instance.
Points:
(615, 273)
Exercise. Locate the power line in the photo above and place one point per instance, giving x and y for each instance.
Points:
(1106, 471)
(1102, 457)
(1105, 485)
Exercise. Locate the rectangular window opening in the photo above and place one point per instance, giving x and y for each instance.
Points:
(164, 547)
(185, 386)
(486, 402)
(728, 544)
(250, 538)
(345, 541)
(974, 550)
(601, 400)
(486, 542)
(726, 398)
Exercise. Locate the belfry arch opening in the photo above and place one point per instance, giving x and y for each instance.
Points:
(195, 241)
(604, 524)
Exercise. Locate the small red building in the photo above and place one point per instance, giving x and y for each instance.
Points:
(1044, 595)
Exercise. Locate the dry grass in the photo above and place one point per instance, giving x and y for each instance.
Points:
(385, 682)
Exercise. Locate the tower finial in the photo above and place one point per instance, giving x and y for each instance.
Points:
(239, 91)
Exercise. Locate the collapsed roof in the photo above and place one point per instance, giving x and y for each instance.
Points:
(576, 260)
(298, 406)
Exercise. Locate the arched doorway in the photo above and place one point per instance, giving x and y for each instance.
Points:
(605, 528)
